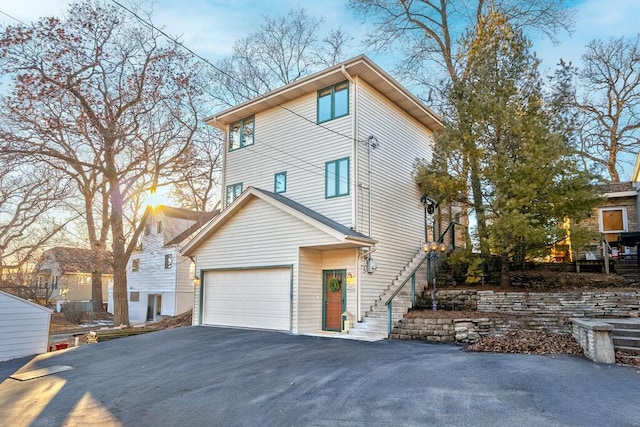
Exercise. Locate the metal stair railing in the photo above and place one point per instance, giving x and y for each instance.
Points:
(389, 302)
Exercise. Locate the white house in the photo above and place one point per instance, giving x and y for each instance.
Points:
(321, 213)
(63, 274)
(160, 280)
(24, 327)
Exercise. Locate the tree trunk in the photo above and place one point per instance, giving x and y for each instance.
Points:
(96, 277)
(504, 270)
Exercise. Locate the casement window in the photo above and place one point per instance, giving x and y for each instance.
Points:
(333, 102)
(135, 265)
(159, 227)
(233, 191)
(612, 220)
(134, 296)
(280, 182)
(168, 261)
(336, 178)
(241, 133)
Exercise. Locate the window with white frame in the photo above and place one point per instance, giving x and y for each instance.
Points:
(241, 133)
(612, 220)
(168, 261)
(233, 191)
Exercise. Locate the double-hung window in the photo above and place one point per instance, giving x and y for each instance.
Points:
(336, 178)
(241, 133)
(333, 102)
(233, 191)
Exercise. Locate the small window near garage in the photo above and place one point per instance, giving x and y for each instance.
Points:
(159, 227)
(333, 102)
(168, 261)
(280, 182)
(233, 191)
(134, 296)
(337, 178)
(241, 133)
(135, 265)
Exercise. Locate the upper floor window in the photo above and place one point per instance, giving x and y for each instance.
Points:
(233, 191)
(241, 133)
(333, 102)
(337, 178)
(168, 261)
(159, 227)
(280, 182)
(613, 220)
(135, 265)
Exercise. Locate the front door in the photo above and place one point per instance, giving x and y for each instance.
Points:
(333, 291)
(154, 307)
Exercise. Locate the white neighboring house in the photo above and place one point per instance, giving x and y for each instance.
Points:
(160, 281)
(322, 215)
(24, 327)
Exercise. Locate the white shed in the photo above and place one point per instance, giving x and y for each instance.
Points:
(24, 327)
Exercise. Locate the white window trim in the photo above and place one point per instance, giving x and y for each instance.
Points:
(625, 221)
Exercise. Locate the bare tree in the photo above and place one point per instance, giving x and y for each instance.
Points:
(610, 102)
(284, 49)
(30, 198)
(428, 32)
(100, 93)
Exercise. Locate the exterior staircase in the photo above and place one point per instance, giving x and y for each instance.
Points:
(374, 322)
(626, 335)
(628, 268)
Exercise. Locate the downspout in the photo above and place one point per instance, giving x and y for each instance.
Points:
(356, 180)
(360, 258)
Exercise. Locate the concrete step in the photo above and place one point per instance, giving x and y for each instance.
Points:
(626, 342)
(619, 324)
(634, 333)
(627, 349)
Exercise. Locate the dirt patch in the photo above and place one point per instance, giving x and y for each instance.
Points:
(528, 342)
(59, 323)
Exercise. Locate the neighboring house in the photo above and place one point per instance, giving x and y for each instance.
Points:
(160, 281)
(63, 274)
(321, 213)
(24, 327)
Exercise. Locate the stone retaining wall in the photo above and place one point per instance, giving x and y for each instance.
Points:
(518, 310)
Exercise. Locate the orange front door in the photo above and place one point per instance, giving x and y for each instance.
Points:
(334, 292)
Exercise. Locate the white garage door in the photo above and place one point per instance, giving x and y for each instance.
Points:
(248, 298)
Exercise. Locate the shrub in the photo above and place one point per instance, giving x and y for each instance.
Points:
(73, 311)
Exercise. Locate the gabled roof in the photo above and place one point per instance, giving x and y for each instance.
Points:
(360, 66)
(25, 302)
(73, 260)
(202, 219)
(173, 212)
(301, 212)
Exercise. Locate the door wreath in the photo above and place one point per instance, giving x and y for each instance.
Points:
(334, 285)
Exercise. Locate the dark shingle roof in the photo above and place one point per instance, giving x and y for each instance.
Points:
(314, 215)
(201, 218)
(74, 260)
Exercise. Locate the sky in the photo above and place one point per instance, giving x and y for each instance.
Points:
(210, 27)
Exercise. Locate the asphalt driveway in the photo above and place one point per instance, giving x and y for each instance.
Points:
(202, 376)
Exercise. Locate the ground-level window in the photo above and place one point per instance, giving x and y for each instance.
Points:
(233, 191)
(280, 182)
(333, 102)
(612, 220)
(337, 178)
(135, 265)
(241, 133)
(168, 261)
(134, 296)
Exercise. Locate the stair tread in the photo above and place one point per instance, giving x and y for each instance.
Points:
(627, 348)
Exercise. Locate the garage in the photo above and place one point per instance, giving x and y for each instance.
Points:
(251, 298)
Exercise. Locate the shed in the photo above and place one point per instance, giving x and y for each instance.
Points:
(24, 327)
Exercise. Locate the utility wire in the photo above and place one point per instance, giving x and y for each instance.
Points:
(233, 78)
(12, 17)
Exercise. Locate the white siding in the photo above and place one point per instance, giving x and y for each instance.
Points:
(285, 142)
(398, 216)
(310, 290)
(24, 327)
(260, 235)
